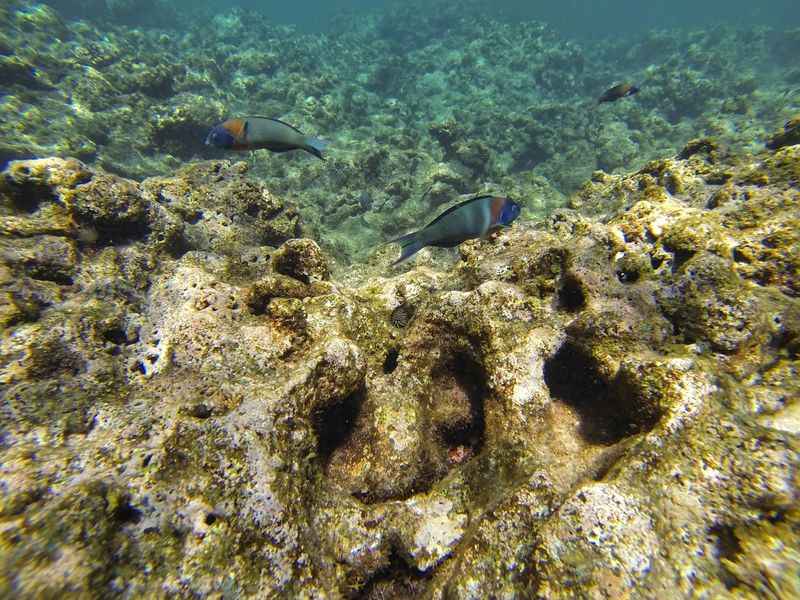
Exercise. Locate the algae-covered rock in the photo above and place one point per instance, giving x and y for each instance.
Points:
(301, 259)
(601, 405)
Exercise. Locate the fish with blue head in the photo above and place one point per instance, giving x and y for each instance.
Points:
(473, 218)
(256, 133)
(623, 90)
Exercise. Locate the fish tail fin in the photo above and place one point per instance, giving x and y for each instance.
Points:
(411, 243)
(315, 146)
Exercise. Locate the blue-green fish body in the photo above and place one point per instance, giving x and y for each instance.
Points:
(473, 218)
(254, 133)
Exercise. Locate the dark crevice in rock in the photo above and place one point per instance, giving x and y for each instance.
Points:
(571, 296)
(628, 275)
(728, 547)
(46, 273)
(194, 218)
(125, 513)
(390, 362)
(201, 411)
(178, 246)
(121, 234)
(334, 424)
(679, 257)
(27, 197)
(461, 381)
(609, 411)
(656, 262)
(395, 580)
(116, 336)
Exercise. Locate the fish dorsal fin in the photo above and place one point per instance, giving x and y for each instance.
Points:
(292, 127)
(457, 206)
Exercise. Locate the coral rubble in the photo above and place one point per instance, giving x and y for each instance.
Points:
(195, 403)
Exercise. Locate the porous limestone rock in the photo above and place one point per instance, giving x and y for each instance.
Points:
(602, 405)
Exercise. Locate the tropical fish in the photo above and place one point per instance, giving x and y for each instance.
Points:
(473, 218)
(617, 92)
(254, 133)
(788, 137)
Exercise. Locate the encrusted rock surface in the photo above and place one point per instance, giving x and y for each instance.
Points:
(602, 405)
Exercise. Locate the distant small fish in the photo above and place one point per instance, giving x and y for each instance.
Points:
(618, 91)
(473, 218)
(254, 133)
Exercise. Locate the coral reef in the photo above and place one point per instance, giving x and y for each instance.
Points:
(202, 395)
(414, 118)
(198, 402)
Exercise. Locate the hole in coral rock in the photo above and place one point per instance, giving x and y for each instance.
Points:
(679, 257)
(726, 546)
(459, 407)
(627, 276)
(211, 518)
(390, 362)
(27, 197)
(607, 414)
(177, 246)
(201, 411)
(49, 273)
(333, 424)
(116, 336)
(195, 217)
(121, 234)
(570, 295)
(656, 261)
(396, 579)
(125, 513)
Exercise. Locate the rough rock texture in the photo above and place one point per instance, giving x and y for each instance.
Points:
(601, 406)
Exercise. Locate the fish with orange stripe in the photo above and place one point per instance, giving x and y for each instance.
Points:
(255, 133)
(473, 218)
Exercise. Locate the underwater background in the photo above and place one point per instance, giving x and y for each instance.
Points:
(420, 102)
(217, 382)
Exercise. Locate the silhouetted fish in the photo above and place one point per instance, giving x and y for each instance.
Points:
(470, 219)
(254, 133)
(788, 137)
(618, 91)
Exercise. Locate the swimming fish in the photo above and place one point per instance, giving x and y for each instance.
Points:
(473, 218)
(254, 133)
(788, 137)
(617, 92)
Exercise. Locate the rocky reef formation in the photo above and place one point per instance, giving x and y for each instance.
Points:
(415, 118)
(602, 405)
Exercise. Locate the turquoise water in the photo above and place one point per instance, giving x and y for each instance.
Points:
(580, 18)
(422, 104)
